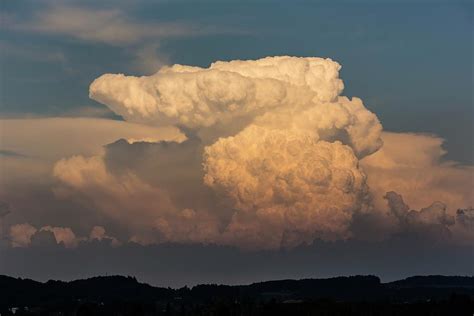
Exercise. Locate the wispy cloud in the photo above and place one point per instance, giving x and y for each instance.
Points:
(117, 27)
(110, 26)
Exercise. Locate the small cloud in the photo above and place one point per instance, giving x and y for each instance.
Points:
(433, 219)
(20, 234)
(25, 235)
(98, 233)
(149, 59)
(63, 235)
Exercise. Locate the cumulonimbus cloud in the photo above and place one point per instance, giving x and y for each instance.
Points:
(288, 159)
(291, 170)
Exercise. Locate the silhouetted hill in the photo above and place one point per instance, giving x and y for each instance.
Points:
(117, 292)
(434, 281)
(341, 288)
(98, 289)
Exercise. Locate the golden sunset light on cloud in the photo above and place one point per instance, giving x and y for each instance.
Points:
(277, 156)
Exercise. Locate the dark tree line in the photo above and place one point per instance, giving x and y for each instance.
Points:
(358, 295)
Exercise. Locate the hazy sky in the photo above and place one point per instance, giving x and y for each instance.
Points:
(232, 161)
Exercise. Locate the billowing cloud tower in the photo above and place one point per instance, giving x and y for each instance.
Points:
(284, 148)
